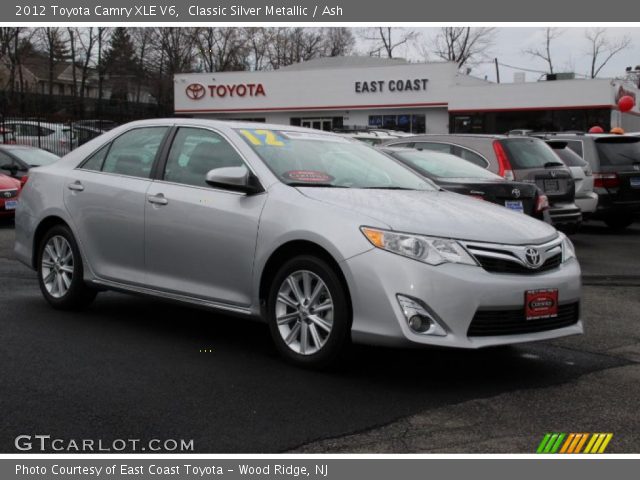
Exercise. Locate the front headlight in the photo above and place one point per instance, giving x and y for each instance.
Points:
(431, 250)
(568, 250)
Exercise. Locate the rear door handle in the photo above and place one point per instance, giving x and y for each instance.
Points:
(76, 186)
(158, 199)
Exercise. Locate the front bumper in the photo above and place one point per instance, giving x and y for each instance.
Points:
(453, 292)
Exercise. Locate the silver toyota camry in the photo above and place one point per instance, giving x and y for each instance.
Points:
(324, 238)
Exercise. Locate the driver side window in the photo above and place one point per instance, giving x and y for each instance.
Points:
(194, 152)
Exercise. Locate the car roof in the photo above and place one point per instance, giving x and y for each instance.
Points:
(228, 124)
(38, 124)
(10, 146)
(428, 136)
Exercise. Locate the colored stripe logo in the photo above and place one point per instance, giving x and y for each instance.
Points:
(574, 443)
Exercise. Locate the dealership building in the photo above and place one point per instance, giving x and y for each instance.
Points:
(355, 92)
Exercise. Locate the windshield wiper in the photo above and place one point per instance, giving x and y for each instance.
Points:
(387, 188)
(314, 184)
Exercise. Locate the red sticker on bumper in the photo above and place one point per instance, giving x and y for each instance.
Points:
(541, 303)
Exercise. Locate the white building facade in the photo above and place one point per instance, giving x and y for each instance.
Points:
(357, 92)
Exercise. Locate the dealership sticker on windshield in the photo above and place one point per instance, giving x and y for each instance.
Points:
(307, 176)
(541, 304)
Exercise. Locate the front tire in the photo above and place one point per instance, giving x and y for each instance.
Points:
(60, 272)
(308, 313)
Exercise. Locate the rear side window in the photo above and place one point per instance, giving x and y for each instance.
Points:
(576, 146)
(133, 153)
(473, 157)
(618, 150)
(435, 147)
(526, 153)
(569, 157)
(95, 161)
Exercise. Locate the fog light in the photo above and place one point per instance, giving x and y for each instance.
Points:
(419, 319)
(419, 324)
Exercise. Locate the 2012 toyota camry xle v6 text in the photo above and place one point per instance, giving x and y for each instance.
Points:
(326, 239)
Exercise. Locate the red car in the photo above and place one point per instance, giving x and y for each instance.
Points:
(9, 191)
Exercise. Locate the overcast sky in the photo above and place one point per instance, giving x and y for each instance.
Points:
(569, 52)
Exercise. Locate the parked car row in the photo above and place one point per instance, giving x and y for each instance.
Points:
(56, 138)
(15, 163)
(583, 176)
(326, 239)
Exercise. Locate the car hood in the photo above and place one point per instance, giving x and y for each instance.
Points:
(438, 213)
(6, 182)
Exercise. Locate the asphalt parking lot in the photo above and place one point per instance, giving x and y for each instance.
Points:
(131, 367)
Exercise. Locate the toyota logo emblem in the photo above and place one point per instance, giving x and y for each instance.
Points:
(8, 194)
(516, 192)
(195, 91)
(532, 257)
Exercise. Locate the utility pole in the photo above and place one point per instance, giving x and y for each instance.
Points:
(497, 70)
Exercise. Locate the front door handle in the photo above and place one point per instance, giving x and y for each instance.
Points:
(158, 199)
(76, 186)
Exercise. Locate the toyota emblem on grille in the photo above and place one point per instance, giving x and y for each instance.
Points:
(516, 192)
(8, 194)
(532, 257)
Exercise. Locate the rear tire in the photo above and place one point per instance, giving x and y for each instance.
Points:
(60, 272)
(308, 313)
(619, 222)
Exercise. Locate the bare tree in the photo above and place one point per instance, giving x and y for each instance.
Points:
(293, 45)
(221, 48)
(55, 47)
(338, 41)
(544, 52)
(387, 39)
(256, 41)
(463, 45)
(603, 48)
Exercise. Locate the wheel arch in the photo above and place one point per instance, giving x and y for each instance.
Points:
(292, 249)
(43, 227)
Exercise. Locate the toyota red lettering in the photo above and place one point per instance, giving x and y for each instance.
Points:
(236, 90)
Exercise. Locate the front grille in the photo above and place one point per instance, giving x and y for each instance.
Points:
(499, 265)
(487, 323)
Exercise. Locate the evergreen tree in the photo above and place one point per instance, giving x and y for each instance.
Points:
(120, 65)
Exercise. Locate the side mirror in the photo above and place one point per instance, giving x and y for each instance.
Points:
(238, 179)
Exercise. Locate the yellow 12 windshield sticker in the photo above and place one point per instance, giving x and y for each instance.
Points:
(262, 137)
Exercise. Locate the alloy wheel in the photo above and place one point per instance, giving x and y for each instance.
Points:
(57, 266)
(304, 312)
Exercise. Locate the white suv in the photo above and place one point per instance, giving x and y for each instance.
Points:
(53, 137)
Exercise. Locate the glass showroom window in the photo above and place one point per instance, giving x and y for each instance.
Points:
(405, 122)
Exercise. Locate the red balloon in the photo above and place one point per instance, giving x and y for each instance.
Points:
(596, 129)
(626, 103)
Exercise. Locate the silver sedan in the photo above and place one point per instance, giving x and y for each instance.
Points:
(322, 237)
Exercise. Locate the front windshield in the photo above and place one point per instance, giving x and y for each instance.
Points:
(443, 165)
(34, 157)
(319, 160)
